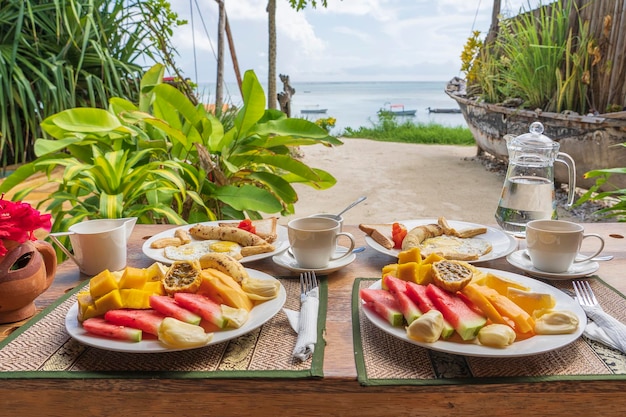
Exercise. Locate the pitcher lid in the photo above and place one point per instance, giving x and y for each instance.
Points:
(535, 137)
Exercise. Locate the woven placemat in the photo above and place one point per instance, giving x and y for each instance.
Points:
(42, 348)
(382, 359)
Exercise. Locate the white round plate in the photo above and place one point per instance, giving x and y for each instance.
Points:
(280, 244)
(287, 261)
(502, 243)
(532, 346)
(260, 314)
(520, 259)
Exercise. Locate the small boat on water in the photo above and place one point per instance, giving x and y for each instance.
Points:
(313, 110)
(438, 110)
(399, 110)
(593, 141)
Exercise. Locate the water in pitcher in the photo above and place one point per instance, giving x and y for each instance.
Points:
(524, 199)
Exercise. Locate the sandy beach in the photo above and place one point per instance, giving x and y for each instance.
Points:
(401, 181)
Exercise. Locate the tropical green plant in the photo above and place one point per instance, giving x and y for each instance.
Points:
(168, 160)
(60, 54)
(536, 58)
(616, 199)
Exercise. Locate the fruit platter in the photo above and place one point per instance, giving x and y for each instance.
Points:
(454, 307)
(187, 305)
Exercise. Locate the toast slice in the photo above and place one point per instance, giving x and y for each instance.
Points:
(381, 233)
(265, 228)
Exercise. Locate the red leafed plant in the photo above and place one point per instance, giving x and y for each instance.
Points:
(18, 221)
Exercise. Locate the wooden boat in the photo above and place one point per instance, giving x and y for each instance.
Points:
(399, 110)
(313, 110)
(436, 110)
(593, 141)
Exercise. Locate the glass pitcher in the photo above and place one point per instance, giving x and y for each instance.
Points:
(528, 192)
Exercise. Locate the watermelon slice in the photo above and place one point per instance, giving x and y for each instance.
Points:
(145, 320)
(100, 327)
(397, 287)
(417, 293)
(202, 306)
(384, 304)
(465, 321)
(167, 306)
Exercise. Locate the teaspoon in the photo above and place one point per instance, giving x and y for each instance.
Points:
(359, 200)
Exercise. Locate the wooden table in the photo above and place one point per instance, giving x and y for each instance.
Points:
(338, 393)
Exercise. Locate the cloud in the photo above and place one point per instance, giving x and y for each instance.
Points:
(358, 40)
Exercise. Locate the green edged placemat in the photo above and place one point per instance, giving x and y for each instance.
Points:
(42, 348)
(382, 359)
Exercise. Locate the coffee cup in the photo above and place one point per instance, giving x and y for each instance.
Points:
(314, 240)
(554, 245)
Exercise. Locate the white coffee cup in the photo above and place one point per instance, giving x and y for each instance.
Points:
(314, 241)
(554, 245)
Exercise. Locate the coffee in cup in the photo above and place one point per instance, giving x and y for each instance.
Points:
(314, 240)
(554, 245)
(331, 216)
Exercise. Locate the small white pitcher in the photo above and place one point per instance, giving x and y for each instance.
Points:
(98, 244)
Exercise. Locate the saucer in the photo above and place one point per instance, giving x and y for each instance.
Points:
(582, 269)
(287, 261)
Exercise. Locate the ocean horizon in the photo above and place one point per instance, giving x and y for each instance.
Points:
(356, 104)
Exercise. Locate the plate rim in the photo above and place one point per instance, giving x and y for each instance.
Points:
(593, 267)
(513, 243)
(476, 350)
(76, 331)
(281, 231)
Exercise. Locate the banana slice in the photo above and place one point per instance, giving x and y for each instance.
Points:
(224, 263)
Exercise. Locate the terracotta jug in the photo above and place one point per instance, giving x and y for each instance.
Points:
(26, 271)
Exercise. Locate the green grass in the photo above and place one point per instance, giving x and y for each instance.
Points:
(387, 129)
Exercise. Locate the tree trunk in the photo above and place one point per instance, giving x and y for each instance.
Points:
(233, 54)
(219, 85)
(271, 69)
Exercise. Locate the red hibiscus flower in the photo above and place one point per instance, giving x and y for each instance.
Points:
(18, 221)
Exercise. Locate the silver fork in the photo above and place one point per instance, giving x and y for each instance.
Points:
(588, 301)
(308, 281)
(307, 325)
(584, 294)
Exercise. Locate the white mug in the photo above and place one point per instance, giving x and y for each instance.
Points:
(553, 245)
(98, 244)
(314, 241)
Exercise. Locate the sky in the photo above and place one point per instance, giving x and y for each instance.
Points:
(350, 40)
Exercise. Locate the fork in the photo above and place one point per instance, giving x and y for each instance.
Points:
(308, 281)
(614, 329)
(309, 307)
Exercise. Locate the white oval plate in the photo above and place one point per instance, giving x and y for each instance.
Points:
(280, 244)
(502, 243)
(520, 260)
(287, 261)
(532, 346)
(259, 315)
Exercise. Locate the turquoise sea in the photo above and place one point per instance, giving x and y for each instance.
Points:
(356, 104)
